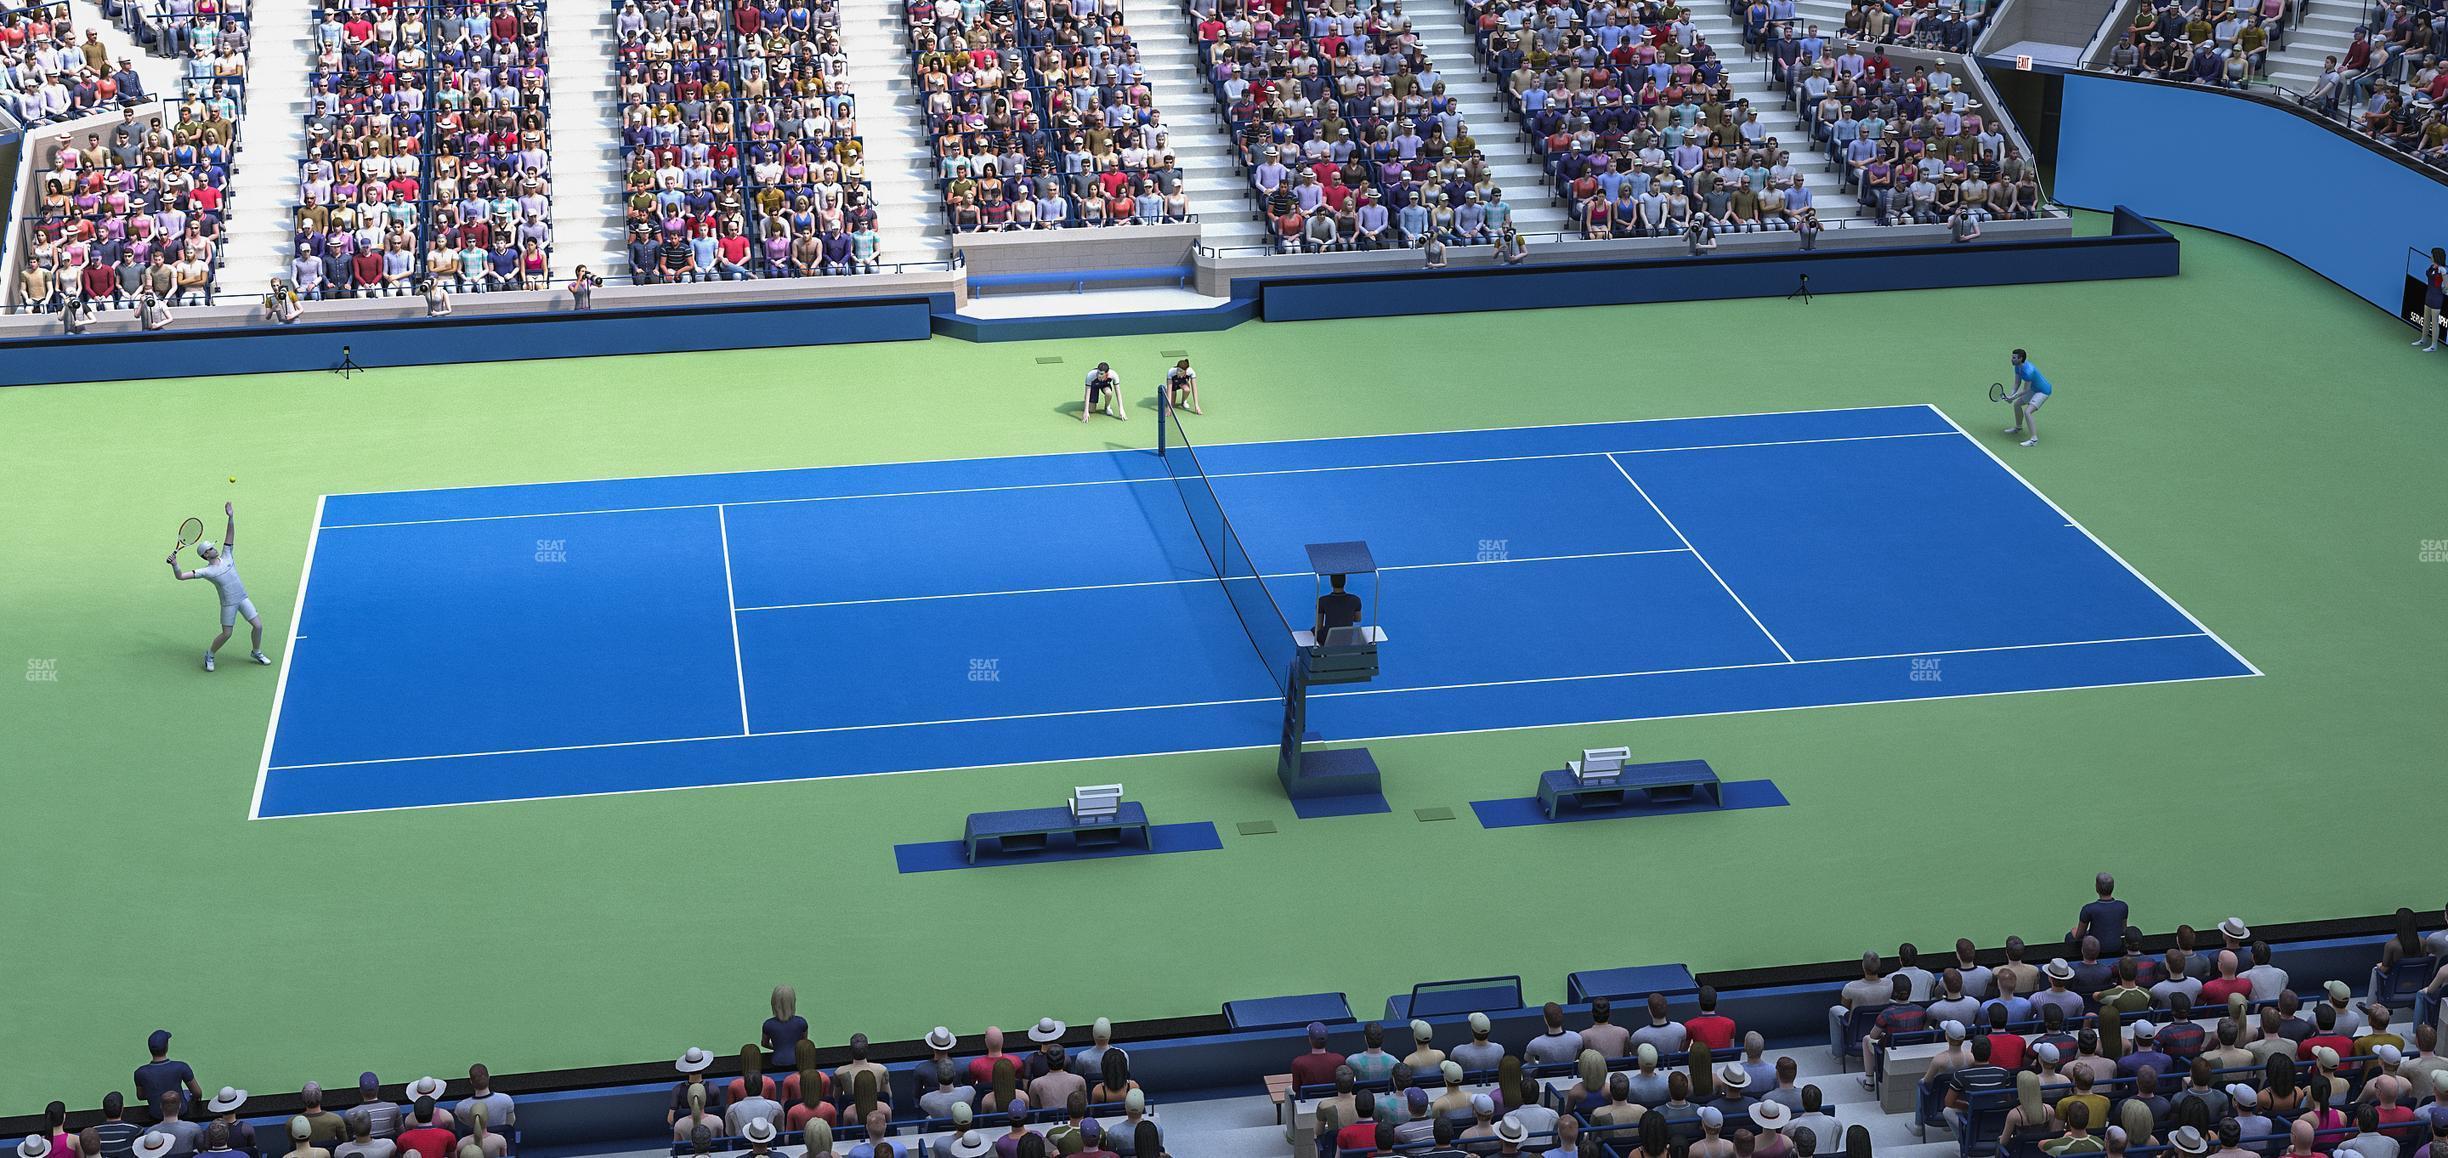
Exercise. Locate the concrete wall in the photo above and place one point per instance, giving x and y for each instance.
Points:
(1087, 250)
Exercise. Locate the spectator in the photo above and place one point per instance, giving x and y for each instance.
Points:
(1555, 1044)
(1316, 1067)
(1478, 1054)
(158, 1077)
(1900, 1015)
(1424, 1053)
(301, 1141)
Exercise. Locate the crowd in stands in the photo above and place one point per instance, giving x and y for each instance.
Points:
(1635, 116)
(2220, 43)
(1041, 116)
(132, 215)
(1346, 128)
(427, 150)
(742, 142)
(48, 73)
(2202, 1050)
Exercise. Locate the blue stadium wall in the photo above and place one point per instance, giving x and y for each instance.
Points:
(2218, 172)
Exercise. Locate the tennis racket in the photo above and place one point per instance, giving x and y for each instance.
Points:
(1997, 392)
(191, 532)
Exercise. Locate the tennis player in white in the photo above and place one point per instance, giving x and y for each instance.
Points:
(221, 570)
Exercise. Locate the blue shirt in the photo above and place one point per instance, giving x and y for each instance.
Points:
(2030, 375)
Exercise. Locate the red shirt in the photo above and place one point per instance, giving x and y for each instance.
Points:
(1361, 1136)
(1315, 1069)
(2343, 1044)
(2007, 1050)
(1714, 1030)
(2217, 990)
(368, 266)
(424, 1141)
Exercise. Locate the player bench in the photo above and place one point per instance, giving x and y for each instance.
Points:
(1636, 785)
(1027, 831)
(1080, 279)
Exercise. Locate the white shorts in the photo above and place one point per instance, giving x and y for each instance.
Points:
(231, 613)
(2024, 399)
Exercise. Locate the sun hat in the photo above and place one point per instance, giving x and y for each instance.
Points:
(2058, 969)
(694, 1061)
(34, 1146)
(1509, 1130)
(1771, 1115)
(969, 1145)
(1047, 1029)
(2188, 1140)
(941, 1038)
(1734, 1077)
(758, 1130)
(425, 1087)
(154, 1145)
(2235, 928)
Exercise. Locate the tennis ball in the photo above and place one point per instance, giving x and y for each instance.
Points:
(233, 478)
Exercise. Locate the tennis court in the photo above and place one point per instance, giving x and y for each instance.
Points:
(550, 640)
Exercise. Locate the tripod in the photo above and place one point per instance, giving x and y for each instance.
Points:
(1801, 291)
(348, 365)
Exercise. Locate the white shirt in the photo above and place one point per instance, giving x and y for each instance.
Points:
(222, 573)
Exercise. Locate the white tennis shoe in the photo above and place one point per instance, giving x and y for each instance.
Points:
(2031, 442)
(208, 661)
(260, 657)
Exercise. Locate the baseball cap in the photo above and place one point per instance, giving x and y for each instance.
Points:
(160, 1040)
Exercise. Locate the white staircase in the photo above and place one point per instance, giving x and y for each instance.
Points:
(587, 212)
(1753, 82)
(2328, 27)
(271, 138)
(900, 161)
(1510, 162)
(159, 74)
(1220, 194)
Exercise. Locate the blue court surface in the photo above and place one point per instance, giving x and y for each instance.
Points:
(562, 639)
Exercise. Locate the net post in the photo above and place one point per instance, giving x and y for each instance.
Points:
(1164, 415)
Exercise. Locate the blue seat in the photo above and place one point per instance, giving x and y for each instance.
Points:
(2404, 978)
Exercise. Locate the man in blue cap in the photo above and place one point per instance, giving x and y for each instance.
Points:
(162, 1075)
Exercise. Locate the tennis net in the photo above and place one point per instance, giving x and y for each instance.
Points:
(1244, 585)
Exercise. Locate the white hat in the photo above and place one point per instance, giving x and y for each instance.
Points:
(2324, 1057)
(2046, 1052)
(1479, 1023)
(1483, 1104)
(2243, 1095)
(1734, 1077)
(1711, 1117)
(154, 1144)
(694, 1061)
(1511, 1131)
(1954, 1030)
(230, 1098)
(1421, 1030)
(941, 1038)
(1771, 1116)
(431, 1087)
(2234, 927)
(2057, 968)
(1102, 1029)
(1647, 1053)
(34, 1146)
(2389, 1055)
(969, 1145)
(2337, 990)
(2144, 1031)
(758, 1130)
(2188, 1140)
(1047, 1029)
(1451, 1071)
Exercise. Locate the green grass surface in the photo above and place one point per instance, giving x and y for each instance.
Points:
(2258, 443)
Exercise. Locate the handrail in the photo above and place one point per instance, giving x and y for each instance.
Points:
(2433, 165)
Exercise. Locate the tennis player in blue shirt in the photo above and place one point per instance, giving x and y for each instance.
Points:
(2032, 391)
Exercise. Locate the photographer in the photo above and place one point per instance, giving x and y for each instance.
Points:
(282, 306)
(437, 299)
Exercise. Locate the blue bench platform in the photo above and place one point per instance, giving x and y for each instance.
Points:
(1080, 279)
(1026, 831)
(1630, 983)
(1669, 782)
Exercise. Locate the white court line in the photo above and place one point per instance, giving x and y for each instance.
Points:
(2096, 541)
(1695, 551)
(1131, 481)
(1245, 747)
(280, 687)
(1214, 704)
(722, 523)
(1203, 579)
(1111, 453)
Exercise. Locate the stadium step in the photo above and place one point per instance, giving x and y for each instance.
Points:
(900, 164)
(587, 173)
(263, 195)
(1220, 196)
